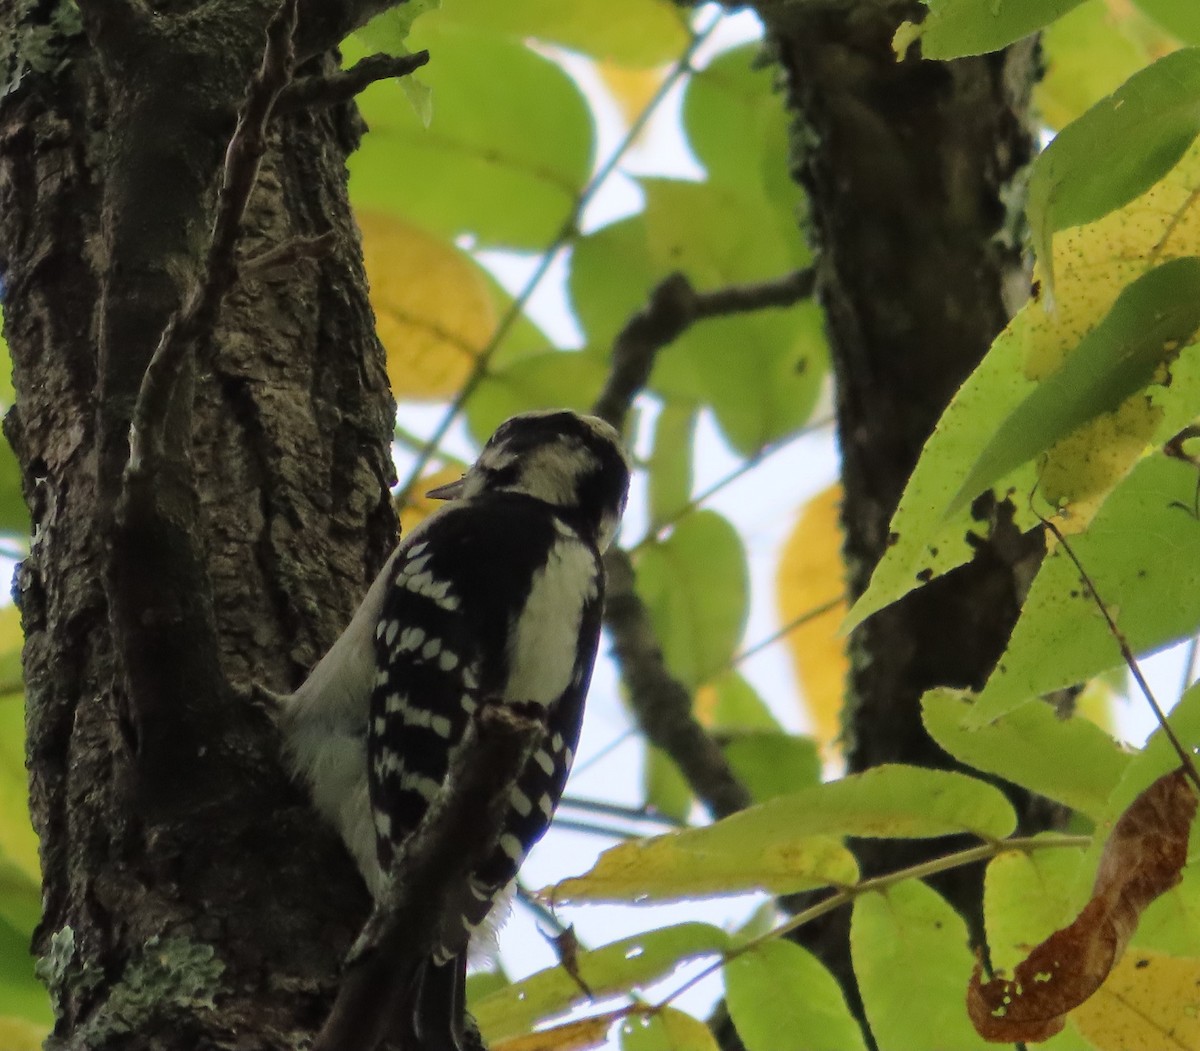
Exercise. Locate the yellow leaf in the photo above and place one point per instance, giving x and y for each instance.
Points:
(433, 308)
(1093, 264)
(417, 507)
(810, 574)
(631, 87)
(572, 1036)
(19, 1034)
(1150, 1002)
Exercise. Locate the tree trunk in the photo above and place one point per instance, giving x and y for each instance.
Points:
(907, 166)
(181, 908)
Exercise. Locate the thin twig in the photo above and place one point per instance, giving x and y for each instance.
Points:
(787, 629)
(565, 234)
(457, 834)
(1185, 757)
(598, 806)
(288, 254)
(747, 465)
(193, 323)
(314, 91)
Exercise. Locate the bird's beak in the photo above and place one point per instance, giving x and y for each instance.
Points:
(449, 491)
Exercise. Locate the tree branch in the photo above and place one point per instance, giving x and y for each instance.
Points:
(662, 704)
(313, 91)
(457, 834)
(672, 308)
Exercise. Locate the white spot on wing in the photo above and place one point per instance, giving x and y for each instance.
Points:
(521, 803)
(432, 648)
(448, 661)
(440, 725)
(511, 846)
(542, 758)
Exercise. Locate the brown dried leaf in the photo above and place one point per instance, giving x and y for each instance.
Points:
(1143, 858)
(566, 944)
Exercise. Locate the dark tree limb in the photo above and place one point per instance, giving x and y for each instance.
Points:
(671, 309)
(457, 834)
(313, 91)
(662, 704)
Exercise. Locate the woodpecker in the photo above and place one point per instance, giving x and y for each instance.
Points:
(496, 598)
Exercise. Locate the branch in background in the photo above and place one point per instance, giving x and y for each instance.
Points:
(457, 834)
(674, 306)
(314, 91)
(193, 324)
(662, 704)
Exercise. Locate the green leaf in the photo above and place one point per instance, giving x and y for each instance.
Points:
(789, 843)
(736, 123)
(663, 786)
(504, 118)
(675, 867)
(954, 28)
(630, 963)
(1180, 17)
(1027, 746)
(1151, 319)
(600, 29)
(1088, 54)
(696, 587)
(729, 702)
(388, 31)
(1080, 176)
(481, 984)
(771, 764)
(1142, 552)
(780, 988)
(1027, 897)
(21, 994)
(912, 963)
(666, 1030)
(925, 541)
(20, 1034)
(14, 515)
(557, 379)
(7, 394)
(18, 843)
(670, 464)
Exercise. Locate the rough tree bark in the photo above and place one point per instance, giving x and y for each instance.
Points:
(180, 906)
(908, 168)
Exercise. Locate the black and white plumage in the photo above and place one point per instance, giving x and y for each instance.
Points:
(494, 599)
